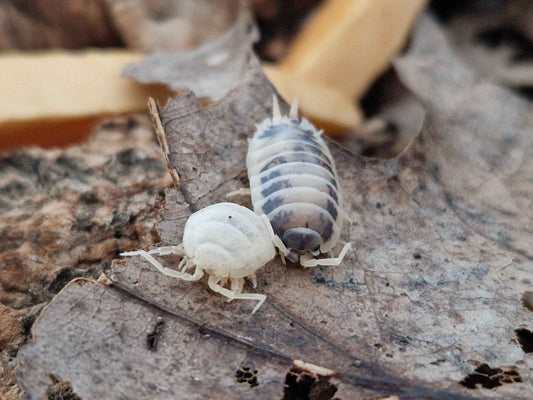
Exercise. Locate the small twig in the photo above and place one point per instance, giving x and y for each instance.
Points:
(161, 136)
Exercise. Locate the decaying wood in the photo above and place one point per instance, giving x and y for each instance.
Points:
(373, 31)
(54, 98)
(323, 104)
(66, 213)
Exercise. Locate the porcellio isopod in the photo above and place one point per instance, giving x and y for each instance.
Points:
(294, 183)
(225, 240)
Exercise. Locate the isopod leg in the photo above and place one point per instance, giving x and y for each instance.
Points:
(276, 241)
(281, 246)
(168, 250)
(198, 273)
(160, 251)
(239, 192)
(213, 283)
(313, 262)
(237, 284)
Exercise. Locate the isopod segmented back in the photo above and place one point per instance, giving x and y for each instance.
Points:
(294, 182)
(227, 240)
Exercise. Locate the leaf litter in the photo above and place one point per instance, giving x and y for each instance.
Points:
(431, 296)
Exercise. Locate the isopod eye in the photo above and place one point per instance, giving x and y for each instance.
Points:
(301, 239)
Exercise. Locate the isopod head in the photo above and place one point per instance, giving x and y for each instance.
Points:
(302, 240)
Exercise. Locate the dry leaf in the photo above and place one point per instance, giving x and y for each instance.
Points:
(497, 39)
(395, 118)
(430, 299)
(122, 361)
(67, 24)
(211, 69)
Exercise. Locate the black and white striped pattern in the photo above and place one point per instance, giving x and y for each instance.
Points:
(293, 181)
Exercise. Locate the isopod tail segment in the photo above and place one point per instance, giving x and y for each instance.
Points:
(276, 111)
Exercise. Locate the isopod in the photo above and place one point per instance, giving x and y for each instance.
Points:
(294, 183)
(225, 240)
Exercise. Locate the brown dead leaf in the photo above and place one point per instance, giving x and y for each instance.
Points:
(481, 154)
(395, 117)
(432, 293)
(210, 70)
(497, 39)
(118, 363)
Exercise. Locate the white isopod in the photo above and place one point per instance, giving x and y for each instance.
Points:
(225, 240)
(294, 182)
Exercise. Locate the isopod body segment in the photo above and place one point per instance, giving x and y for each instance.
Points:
(225, 240)
(293, 181)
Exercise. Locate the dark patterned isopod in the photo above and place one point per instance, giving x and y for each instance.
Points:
(293, 182)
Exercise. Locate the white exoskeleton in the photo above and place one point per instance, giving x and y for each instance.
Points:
(225, 240)
(294, 183)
